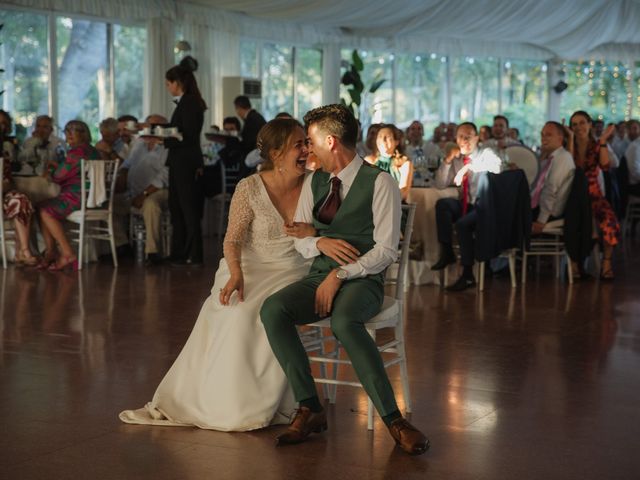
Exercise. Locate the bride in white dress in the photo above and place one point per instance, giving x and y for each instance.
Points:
(226, 376)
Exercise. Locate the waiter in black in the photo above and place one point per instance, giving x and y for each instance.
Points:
(185, 164)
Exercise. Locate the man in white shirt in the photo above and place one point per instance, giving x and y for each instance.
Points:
(357, 240)
(111, 146)
(632, 155)
(619, 141)
(500, 139)
(38, 149)
(146, 177)
(463, 172)
(552, 185)
(417, 147)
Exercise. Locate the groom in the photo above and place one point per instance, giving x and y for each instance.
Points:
(358, 239)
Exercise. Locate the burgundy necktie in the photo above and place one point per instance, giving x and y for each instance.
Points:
(331, 205)
(465, 188)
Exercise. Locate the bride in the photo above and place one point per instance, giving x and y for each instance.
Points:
(226, 377)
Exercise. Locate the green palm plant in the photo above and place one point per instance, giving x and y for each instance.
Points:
(352, 79)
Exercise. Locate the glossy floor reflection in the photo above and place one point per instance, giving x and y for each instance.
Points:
(532, 383)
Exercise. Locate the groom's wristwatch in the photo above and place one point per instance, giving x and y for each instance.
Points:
(341, 274)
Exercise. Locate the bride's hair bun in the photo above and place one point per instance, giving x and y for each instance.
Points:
(189, 63)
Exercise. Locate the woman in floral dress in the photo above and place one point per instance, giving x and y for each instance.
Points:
(66, 173)
(592, 157)
(17, 207)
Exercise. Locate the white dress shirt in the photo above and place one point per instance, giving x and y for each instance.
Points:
(386, 221)
(31, 151)
(620, 145)
(482, 160)
(146, 167)
(633, 161)
(557, 184)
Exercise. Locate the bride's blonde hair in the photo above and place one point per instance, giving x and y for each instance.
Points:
(274, 139)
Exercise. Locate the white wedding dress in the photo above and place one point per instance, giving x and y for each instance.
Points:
(226, 376)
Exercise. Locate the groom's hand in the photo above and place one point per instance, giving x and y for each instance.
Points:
(326, 292)
(339, 250)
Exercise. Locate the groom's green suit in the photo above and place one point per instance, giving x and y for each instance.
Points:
(357, 300)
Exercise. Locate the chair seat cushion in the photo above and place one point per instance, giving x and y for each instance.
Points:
(90, 214)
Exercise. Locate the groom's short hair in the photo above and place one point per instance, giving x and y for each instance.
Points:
(335, 120)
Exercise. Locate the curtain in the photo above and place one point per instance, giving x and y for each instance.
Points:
(158, 59)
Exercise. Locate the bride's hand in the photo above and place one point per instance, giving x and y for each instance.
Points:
(299, 230)
(233, 284)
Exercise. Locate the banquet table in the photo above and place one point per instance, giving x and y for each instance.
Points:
(425, 233)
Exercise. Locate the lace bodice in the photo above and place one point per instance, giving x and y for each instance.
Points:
(254, 223)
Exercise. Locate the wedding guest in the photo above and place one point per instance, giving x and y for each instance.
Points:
(111, 146)
(592, 156)
(7, 143)
(253, 122)
(417, 147)
(66, 173)
(463, 172)
(632, 154)
(484, 134)
(500, 139)
(146, 177)
(553, 183)
(17, 207)
(41, 146)
(390, 158)
(370, 140)
(127, 128)
(620, 141)
(185, 163)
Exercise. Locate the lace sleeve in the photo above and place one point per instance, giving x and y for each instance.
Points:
(240, 218)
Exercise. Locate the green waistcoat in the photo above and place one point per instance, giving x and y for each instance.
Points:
(353, 221)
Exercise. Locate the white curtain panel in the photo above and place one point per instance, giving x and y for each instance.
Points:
(137, 10)
(218, 56)
(159, 57)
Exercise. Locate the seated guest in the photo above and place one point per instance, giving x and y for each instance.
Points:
(463, 172)
(146, 177)
(500, 139)
(232, 153)
(514, 134)
(387, 147)
(127, 127)
(111, 146)
(619, 141)
(8, 148)
(417, 147)
(484, 134)
(632, 153)
(41, 146)
(593, 157)
(66, 173)
(17, 207)
(553, 183)
(370, 141)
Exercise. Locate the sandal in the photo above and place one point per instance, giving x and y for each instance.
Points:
(606, 272)
(46, 261)
(24, 257)
(64, 263)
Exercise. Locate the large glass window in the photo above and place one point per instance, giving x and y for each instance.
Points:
(291, 79)
(249, 58)
(128, 55)
(277, 80)
(474, 89)
(83, 80)
(603, 89)
(24, 57)
(308, 72)
(419, 86)
(524, 97)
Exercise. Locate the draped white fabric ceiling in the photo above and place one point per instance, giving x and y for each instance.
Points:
(533, 28)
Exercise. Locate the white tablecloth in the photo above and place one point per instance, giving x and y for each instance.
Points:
(424, 230)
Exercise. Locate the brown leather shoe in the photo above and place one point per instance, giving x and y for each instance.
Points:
(410, 439)
(304, 422)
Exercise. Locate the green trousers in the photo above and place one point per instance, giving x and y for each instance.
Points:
(357, 301)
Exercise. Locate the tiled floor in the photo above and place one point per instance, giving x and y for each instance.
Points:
(535, 383)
